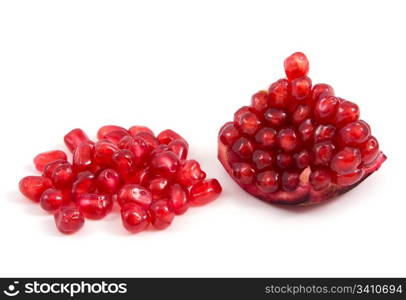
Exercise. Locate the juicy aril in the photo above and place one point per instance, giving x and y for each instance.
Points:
(298, 143)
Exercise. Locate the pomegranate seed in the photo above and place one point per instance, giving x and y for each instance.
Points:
(180, 148)
(32, 187)
(85, 183)
(259, 101)
(346, 161)
(134, 193)
(94, 206)
(150, 140)
(178, 199)
(140, 149)
(135, 218)
(51, 200)
(69, 220)
(189, 172)
(103, 153)
(134, 130)
(108, 182)
(124, 161)
(44, 158)
(159, 187)
(296, 65)
(74, 138)
(50, 167)
(105, 130)
(115, 136)
(243, 172)
(63, 175)
(83, 157)
(167, 136)
(204, 191)
(297, 142)
(165, 164)
(161, 214)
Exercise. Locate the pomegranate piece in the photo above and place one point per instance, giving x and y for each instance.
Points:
(63, 175)
(178, 199)
(68, 220)
(83, 157)
(165, 164)
(51, 200)
(135, 218)
(32, 187)
(134, 193)
(44, 158)
(297, 143)
(189, 172)
(94, 206)
(204, 191)
(108, 182)
(74, 138)
(161, 214)
(180, 148)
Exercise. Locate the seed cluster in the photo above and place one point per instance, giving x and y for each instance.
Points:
(148, 176)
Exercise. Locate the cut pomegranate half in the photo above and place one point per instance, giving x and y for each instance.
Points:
(298, 144)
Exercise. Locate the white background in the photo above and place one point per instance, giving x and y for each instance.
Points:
(188, 65)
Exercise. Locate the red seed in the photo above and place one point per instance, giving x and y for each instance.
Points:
(347, 112)
(94, 206)
(290, 180)
(50, 167)
(279, 94)
(268, 181)
(167, 136)
(161, 214)
(135, 218)
(83, 157)
(296, 65)
(243, 147)
(178, 199)
(266, 137)
(351, 178)
(244, 172)
(51, 200)
(204, 191)
(74, 138)
(105, 130)
(69, 220)
(301, 88)
(301, 113)
(249, 123)
(259, 101)
(180, 148)
(44, 158)
(134, 193)
(85, 183)
(115, 136)
(63, 175)
(320, 179)
(287, 139)
(346, 161)
(275, 117)
(32, 187)
(136, 129)
(123, 162)
(369, 150)
(165, 164)
(103, 153)
(354, 133)
(284, 160)
(159, 187)
(229, 134)
(189, 173)
(302, 159)
(321, 90)
(108, 182)
(323, 153)
(324, 133)
(262, 159)
(325, 109)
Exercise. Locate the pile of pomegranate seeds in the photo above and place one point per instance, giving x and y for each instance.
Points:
(148, 176)
(298, 143)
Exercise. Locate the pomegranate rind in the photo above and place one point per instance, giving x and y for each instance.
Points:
(304, 194)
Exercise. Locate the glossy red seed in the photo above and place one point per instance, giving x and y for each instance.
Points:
(150, 140)
(50, 167)
(159, 187)
(105, 130)
(243, 172)
(134, 130)
(279, 94)
(290, 180)
(229, 134)
(108, 182)
(249, 123)
(268, 181)
(178, 199)
(259, 101)
(189, 173)
(103, 152)
(167, 136)
(140, 149)
(346, 161)
(262, 159)
(321, 90)
(32, 187)
(287, 139)
(85, 183)
(69, 220)
(46, 157)
(302, 159)
(369, 150)
(323, 153)
(354, 133)
(161, 214)
(275, 117)
(326, 109)
(324, 133)
(347, 112)
(123, 161)
(51, 200)
(134, 193)
(301, 113)
(74, 138)
(351, 178)
(306, 131)
(296, 65)
(243, 147)
(94, 206)
(266, 137)
(115, 136)
(165, 164)
(180, 148)
(240, 112)
(301, 88)
(284, 160)
(135, 218)
(63, 175)
(83, 157)
(320, 179)
(204, 191)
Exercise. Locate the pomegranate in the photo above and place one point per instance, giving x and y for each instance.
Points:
(149, 177)
(297, 143)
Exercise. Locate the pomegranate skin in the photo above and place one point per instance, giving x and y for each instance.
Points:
(32, 187)
(310, 147)
(74, 138)
(44, 158)
(69, 220)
